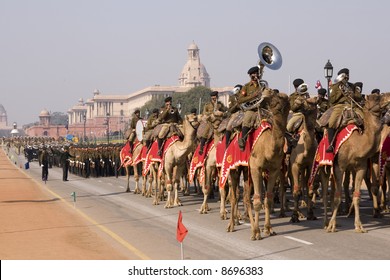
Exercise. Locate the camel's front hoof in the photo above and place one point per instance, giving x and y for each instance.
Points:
(331, 227)
(256, 235)
(359, 228)
(223, 216)
(230, 227)
(282, 214)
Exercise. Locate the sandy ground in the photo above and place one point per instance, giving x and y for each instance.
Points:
(34, 225)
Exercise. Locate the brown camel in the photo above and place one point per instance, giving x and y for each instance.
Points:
(378, 189)
(136, 152)
(352, 156)
(301, 159)
(175, 159)
(266, 158)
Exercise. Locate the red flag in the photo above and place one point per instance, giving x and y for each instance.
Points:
(318, 85)
(181, 229)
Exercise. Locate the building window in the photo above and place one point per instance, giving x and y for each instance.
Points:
(121, 112)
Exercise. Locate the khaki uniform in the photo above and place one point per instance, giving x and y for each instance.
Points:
(150, 125)
(340, 101)
(212, 114)
(323, 105)
(168, 117)
(296, 104)
(133, 125)
(248, 91)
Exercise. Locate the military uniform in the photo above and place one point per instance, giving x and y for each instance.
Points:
(213, 112)
(296, 105)
(169, 117)
(323, 105)
(233, 110)
(150, 125)
(341, 97)
(133, 125)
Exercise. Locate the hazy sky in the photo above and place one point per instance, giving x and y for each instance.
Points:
(52, 53)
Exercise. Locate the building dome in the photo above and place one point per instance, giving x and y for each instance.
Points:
(193, 46)
(2, 110)
(44, 113)
(194, 73)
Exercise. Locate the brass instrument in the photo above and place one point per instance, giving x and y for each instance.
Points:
(253, 103)
(270, 57)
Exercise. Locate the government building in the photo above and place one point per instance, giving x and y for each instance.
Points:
(102, 114)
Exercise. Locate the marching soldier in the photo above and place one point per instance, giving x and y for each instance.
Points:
(212, 113)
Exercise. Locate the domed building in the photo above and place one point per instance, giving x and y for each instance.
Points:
(194, 73)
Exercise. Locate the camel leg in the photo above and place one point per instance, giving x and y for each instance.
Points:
(256, 173)
(206, 189)
(296, 193)
(282, 191)
(338, 175)
(356, 200)
(169, 186)
(177, 171)
(235, 176)
(374, 190)
(324, 178)
(222, 207)
(128, 178)
(310, 195)
(136, 179)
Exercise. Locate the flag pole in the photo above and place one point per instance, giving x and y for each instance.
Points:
(182, 250)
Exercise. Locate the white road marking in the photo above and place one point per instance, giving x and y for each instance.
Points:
(299, 240)
(121, 187)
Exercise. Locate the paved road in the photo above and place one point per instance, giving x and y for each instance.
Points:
(132, 223)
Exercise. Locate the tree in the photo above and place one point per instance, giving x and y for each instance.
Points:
(196, 98)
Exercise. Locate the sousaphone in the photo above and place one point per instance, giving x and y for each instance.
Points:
(271, 58)
(269, 55)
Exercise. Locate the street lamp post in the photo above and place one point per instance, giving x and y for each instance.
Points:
(328, 71)
(85, 120)
(108, 127)
(179, 107)
(147, 113)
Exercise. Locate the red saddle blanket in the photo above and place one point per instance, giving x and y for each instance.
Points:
(321, 157)
(233, 157)
(152, 155)
(384, 157)
(198, 160)
(126, 155)
(220, 151)
(140, 156)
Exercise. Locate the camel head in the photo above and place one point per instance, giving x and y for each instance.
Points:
(373, 104)
(385, 108)
(192, 120)
(279, 103)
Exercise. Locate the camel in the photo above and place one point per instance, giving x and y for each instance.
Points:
(378, 189)
(175, 159)
(137, 150)
(352, 156)
(301, 159)
(266, 157)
